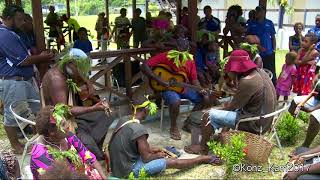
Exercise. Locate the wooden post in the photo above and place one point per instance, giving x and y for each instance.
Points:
(68, 15)
(192, 8)
(263, 3)
(147, 7)
(178, 12)
(134, 6)
(38, 24)
(107, 10)
(18, 2)
(39, 32)
(128, 75)
(281, 15)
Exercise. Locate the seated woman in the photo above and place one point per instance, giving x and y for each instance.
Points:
(57, 143)
(255, 96)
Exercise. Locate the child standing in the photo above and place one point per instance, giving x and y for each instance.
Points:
(202, 48)
(306, 65)
(83, 42)
(287, 76)
(295, 40)
(212, 60)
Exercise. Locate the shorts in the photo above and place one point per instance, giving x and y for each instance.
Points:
(12, 91)
(153, 167)
(172, 97)
(312, 102)
(220, 118)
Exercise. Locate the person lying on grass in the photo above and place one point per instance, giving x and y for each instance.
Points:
(130, 151)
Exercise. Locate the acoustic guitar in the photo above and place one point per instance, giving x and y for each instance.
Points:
(177, 80)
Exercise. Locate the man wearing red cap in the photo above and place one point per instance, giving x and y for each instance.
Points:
(255, 96)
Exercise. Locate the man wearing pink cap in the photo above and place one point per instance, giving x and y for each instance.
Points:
(255, 96)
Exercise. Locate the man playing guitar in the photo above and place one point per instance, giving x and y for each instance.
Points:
(178, 61)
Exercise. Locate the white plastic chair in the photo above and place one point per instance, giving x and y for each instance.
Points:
(24, 112)
(273, 131)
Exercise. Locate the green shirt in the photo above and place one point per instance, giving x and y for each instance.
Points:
(72, 23)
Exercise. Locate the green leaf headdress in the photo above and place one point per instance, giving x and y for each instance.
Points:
(81, 60)
(253, 48)
(60, 113)
(179, 58)
(153, 108)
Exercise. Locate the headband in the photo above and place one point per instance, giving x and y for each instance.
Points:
(153, 108)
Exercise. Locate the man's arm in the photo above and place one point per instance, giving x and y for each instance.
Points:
(146, 153)
(44, 57)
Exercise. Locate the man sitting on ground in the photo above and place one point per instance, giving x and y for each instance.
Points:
(255, 96)
(59, 85)
(130, 151)
(172, 98)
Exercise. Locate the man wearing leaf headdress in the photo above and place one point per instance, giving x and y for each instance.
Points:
(60, 85)
(178, 61)
(130, 151)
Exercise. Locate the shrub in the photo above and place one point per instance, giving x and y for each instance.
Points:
(288, 129)
(142, 175)
(232, 153)
(304, 116)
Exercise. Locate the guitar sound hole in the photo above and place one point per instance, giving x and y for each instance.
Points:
(159, 75)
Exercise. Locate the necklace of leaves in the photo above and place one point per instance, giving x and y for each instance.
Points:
(70, 154)
(179, 58)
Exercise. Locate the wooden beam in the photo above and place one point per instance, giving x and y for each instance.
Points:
(263, 3)
(18, 2)
(107, 10)
(192, 8)
(178, 12)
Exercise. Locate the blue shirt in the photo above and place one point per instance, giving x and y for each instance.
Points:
(85, 46)
(315, 30)
(12, 53)
(211, 24)
(264, 31)
(28, 39)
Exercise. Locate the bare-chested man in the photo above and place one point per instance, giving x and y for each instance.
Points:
(92, 121)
